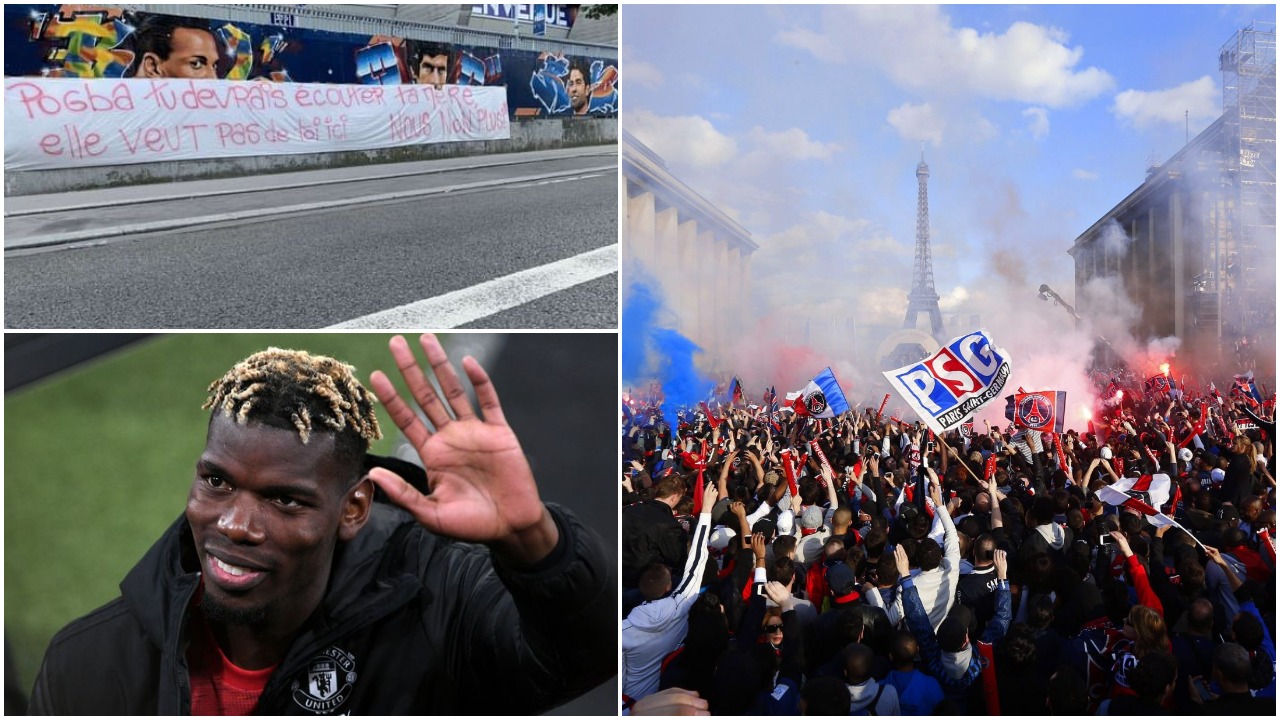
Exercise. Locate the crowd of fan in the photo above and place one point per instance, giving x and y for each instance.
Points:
(775, 564)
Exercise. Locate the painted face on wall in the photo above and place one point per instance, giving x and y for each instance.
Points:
(579, 91)
(433, 70)
(194, 55)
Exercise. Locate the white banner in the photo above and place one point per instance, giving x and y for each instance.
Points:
(53, 123)
(948, 387)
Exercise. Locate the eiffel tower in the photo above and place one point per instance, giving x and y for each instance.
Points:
(923, 297)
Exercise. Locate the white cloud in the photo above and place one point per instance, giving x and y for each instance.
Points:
(1144, 108)
(756, 176)
(687, 138)
(794, 143)
(644, 74)
(918, 48)
(917, 122)
(823, 47)
(1039, 126)
(984, 130)
(1080, 174)
(955, 300)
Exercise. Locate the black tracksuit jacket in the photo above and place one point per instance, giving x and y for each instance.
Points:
(411, 623)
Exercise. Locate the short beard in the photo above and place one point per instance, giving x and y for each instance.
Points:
(219, 614)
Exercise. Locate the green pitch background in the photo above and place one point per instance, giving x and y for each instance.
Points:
(98, 462)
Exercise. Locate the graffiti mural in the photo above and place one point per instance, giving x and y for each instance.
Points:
(87, 41)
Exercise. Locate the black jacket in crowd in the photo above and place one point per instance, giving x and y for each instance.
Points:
(650, 533)
(411, 623)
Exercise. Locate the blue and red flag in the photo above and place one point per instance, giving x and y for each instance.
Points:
(1045, 411)
(821, 398)
(1245, 386)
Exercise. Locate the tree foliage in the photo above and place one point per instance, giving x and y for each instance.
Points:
(595, 12)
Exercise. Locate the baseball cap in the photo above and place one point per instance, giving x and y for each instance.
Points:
(785, 523)
(840, 579)
(1217, 475)
(720, 538)
(811, 518)
(767, 527)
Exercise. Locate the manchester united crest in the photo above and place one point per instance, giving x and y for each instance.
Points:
(327, 683)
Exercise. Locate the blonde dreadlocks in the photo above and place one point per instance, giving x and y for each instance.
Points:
(295, 390)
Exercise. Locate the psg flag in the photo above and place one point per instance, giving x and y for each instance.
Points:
(1044, 411)
(821, 398)
(1157, 384)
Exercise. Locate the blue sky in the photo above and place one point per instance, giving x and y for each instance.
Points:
(805, 124)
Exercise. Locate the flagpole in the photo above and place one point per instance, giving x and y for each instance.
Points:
(957, 456)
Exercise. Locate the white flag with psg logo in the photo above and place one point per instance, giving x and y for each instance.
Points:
(821, 398)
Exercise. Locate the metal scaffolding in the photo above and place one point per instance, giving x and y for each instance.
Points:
(1248, 256)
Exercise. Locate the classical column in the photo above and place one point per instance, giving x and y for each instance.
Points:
(737, 314)
(723, 300)
(1151, 251)
(640, 231)
(664, 251)
(1179, 265)
(706, 289)
(685, 277)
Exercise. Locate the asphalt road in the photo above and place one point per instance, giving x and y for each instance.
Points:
(321, 267)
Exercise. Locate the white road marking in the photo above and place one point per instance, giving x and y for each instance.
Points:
(568, 179)
(493, 296)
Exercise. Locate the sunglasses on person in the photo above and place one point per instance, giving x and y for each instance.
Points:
(770, 629)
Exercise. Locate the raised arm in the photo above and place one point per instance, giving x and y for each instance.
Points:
(1146, 596)
(792, 662)
(999, 624)
(722, 483)
(687, 589)
(1232, 579)
(547, 574)
(914, 612)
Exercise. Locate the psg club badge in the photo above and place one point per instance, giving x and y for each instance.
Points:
(1036, 412)
(816, 403)
(1043, 411)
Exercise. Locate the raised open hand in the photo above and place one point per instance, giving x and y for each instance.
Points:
(778, 593)
(900, 559)
(482, 488)
(1122, 542)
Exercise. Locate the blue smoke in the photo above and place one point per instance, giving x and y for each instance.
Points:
(652, 352)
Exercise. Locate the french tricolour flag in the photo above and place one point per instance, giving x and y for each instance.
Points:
(821, 398)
